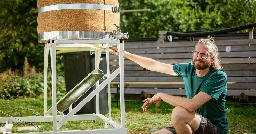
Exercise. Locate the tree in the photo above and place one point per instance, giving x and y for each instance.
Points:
(239, 12)
(185, 15)
(18, 38)
(174, 15)
(18, 23)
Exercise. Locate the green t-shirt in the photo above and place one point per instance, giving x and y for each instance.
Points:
(214, 83)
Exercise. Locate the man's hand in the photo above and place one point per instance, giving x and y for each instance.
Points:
(114, 51)
(155, 99)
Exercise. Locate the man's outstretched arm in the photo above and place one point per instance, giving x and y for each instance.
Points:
(147, 63)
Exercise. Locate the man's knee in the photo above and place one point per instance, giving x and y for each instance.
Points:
(162, 131)
(157, 132)
(179, 114)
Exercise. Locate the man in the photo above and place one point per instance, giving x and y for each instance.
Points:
(203, 111)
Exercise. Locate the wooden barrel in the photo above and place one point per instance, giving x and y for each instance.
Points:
(69, 19)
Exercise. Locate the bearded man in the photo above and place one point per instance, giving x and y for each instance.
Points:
(203, 110)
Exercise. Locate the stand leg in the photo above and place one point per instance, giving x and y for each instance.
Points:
(53, 65)
(121, 66)
(109, 91)
(97, 63)
(46, 54)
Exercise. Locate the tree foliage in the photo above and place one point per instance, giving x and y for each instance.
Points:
(239, 12)
(18, 23)
(18, 37)
(185, 15)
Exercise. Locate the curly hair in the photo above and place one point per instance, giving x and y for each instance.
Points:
(213, 51)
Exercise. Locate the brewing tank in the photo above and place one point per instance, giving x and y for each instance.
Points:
(77, 19)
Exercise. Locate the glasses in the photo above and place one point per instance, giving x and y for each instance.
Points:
(202, 55)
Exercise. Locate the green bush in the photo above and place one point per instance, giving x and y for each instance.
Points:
(13, 86)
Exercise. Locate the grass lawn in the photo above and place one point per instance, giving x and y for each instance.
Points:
(242, 119)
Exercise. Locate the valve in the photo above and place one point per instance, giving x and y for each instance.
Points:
(117, 34)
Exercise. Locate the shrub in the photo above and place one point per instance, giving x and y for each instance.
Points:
(14, 86)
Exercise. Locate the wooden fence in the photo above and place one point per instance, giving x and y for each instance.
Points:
(238, 58)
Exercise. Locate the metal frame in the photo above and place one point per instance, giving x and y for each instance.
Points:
(59, 120)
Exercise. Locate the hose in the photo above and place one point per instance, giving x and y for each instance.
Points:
(200, 34)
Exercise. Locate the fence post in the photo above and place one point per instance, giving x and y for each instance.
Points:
(251, 33)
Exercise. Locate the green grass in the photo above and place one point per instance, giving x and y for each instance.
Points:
(241, 118)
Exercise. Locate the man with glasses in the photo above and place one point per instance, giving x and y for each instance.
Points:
(203, 110)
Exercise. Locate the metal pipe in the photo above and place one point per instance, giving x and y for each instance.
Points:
(78, 90)
(135, 10)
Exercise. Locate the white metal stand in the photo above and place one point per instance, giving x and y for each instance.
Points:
(59, 120)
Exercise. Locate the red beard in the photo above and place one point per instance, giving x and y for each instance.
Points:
(201, 65)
